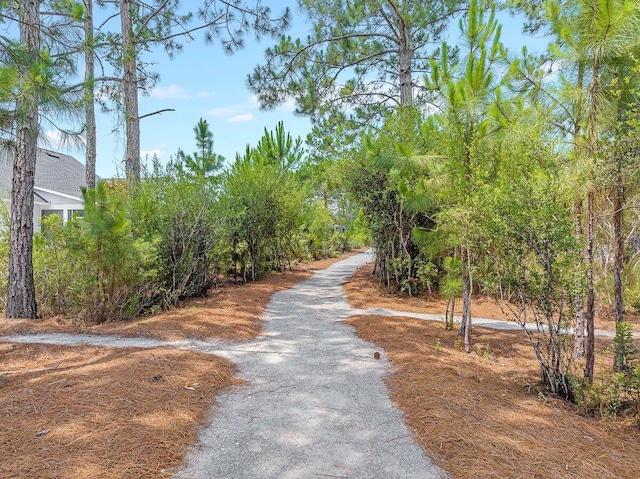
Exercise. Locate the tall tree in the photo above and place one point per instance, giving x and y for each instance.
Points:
(130, 92)
(466, 93)
(161, 23)
(21, 296)
(592, 38)
(361, 57)
(90, 112)
(38, 98)
(607, 28)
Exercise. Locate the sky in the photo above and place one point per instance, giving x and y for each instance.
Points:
(204, 82)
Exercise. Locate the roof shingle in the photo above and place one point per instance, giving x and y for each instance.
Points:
(54, 171)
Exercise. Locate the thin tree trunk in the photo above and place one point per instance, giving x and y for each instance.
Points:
(130, 85)
(449, 315)
(90, 113)
(465, 324)
(593, 149)
(578, 300)
(590, 309)
(405, 71)
(21, 296)
(618, 201)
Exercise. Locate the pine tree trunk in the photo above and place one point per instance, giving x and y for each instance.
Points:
(130, 86)
(404, 60)
(21, 297)
(618, 201)
(465, 324)
(578, 300)
(590, 309)
(90, 114)
(593, 149)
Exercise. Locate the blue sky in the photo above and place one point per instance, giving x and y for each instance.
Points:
(200, 82)
(203, 82)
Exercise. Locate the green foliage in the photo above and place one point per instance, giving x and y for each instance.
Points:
(120, 264)
(55, 268)
(348, 70)
(376, 179)
(262, 206)
(427, 273)
(203, 162)
(525, 228)
(624, 348)
(451, 283)
(280, 149)
(318, 231)
(618, 393)
(92, 267)
(180, 214)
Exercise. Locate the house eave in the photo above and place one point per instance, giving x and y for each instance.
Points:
(53, 192)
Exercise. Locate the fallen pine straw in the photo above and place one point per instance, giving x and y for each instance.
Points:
(480, 415)
(100, 412)
(230, 312)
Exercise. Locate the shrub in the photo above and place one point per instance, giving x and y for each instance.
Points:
(179, 213)
(93, 268)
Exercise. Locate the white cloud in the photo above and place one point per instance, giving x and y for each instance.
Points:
(171, 92)
(236, 113)
(552, 70)
(51, 139)
(288, 106)
(55, 140)
(242, 118)
(204, 94)
(159, 151)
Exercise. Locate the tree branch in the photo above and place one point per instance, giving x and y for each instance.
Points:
(156, 113)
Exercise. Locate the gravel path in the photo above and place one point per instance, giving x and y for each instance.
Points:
(315, 405)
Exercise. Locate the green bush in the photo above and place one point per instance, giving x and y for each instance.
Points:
(317, 231)
(617, 394)
(262, 206)
(93, 268)
(180, 214)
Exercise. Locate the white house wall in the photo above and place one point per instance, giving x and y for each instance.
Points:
(56, 201)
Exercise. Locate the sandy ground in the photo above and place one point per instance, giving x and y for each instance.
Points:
(314, 404)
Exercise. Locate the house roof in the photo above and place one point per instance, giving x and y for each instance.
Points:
(54, 171)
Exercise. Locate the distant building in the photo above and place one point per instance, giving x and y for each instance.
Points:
(59, 178)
